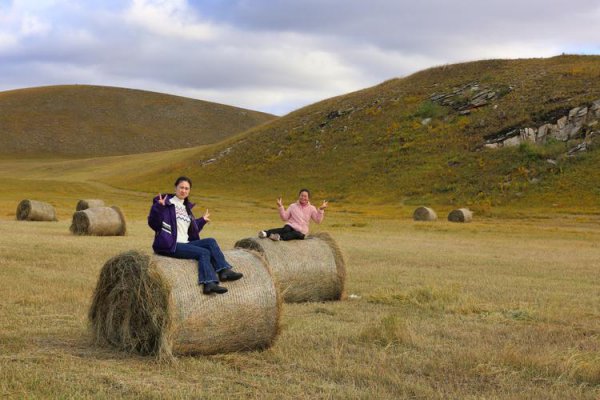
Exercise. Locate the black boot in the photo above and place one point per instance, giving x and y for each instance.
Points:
(229, 275)
(212, 287)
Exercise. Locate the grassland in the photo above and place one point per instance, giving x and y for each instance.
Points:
(85, 121)
(371, 146)
(505, 307)
(499, 308)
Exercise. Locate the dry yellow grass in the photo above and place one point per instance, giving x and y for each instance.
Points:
(83, 120)
(496, 308)
(493, 309)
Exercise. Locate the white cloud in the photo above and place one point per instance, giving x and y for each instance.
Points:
(273, 56)
(32, 25)
(170, 18)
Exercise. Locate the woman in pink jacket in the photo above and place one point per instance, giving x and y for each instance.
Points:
(297, 218)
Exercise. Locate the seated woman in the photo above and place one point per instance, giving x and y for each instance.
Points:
(177, 234)
(297, 217)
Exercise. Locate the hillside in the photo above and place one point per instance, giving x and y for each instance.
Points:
(83, 121)
(422, 139)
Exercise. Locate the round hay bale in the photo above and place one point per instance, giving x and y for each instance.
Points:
(424, 214)
(88, 203)
(99, 221)
(153, 305)
(32, 210)
(460, 215)
(312, 269)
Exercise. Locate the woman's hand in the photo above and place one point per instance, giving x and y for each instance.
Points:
(161, 200)
(324, 205)
(280, 202)
(206, 216)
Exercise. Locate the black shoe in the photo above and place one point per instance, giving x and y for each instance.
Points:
(213, 288)
(230, 275)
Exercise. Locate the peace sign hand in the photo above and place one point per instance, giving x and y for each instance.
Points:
(161, 200)
(324, 205)
(280, 202)
(206, 216)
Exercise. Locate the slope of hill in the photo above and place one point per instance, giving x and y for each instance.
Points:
(81, 120)
(404, 142)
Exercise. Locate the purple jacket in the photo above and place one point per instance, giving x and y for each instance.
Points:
(164, 223)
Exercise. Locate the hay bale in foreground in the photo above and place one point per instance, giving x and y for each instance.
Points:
(153, 305)
(32, 210)
(460, 215)
(424, 214)
(88, 203)
(99, 221)
(312, 269)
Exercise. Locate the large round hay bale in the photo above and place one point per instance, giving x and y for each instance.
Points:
(32, 210)
(88, 203)
(153, 305)
(460, 215)
(312, 269)
(99, 221)
(424, 214)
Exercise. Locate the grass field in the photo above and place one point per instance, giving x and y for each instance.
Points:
(499, 308)
(506, 307)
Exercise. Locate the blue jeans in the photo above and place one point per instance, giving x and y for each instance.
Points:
(210, 258)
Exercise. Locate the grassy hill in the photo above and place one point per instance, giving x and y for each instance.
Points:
(81, 120)
(391, 147)
(395, 144)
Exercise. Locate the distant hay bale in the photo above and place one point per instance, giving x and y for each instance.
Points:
(424, 214)
(153, 305)
(312, 269)
(460, 215)
(99, 221)
(88, 203)
(32, 210)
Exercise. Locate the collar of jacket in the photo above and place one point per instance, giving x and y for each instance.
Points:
(187, 202)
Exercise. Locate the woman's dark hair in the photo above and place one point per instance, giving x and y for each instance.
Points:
(183, 179)
(301, 190)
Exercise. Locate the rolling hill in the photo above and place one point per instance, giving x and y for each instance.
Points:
(439, 137)
(420, 139)
(86, 121)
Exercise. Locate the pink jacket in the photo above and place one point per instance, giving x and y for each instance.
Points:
(298, 216)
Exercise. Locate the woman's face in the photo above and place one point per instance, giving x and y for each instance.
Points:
(303, 198)
(182, 190)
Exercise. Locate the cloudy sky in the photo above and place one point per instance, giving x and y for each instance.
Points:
(274, 55)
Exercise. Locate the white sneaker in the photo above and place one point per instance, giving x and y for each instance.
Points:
(274, 236)
(262, 234)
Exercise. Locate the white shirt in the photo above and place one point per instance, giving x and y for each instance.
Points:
(183, 220)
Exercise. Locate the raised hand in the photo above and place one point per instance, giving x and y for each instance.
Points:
(280, 202)
(206, 216)
(324, 205)
(161, 200)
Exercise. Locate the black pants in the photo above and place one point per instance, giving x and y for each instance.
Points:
(286, 233)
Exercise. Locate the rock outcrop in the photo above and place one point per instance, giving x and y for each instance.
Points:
(468, 97)
(579, 123)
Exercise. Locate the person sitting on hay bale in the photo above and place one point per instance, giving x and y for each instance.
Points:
(298, 216)
(177, 234)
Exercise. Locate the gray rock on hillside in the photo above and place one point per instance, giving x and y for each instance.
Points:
(575, 125)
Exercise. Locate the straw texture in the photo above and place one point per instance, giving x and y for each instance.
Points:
(312, 269)
(460, 215)
(153, 305)
(424, 214)
(99, 221)
(32, 210)
(88, 203)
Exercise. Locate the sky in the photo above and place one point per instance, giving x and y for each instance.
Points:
(274, 56)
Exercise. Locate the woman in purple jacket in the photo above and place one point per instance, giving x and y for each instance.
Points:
(177, 234)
